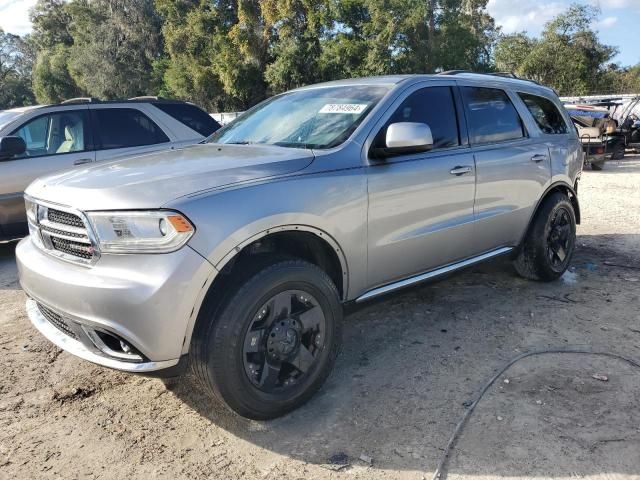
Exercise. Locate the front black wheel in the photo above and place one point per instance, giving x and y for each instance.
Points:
(549, 244)
(273, 342)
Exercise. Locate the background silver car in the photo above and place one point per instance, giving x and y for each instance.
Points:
(82, 131)
(237, 255)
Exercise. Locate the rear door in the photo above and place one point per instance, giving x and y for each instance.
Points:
(125, 131)
(513, 166)
(421, 204)
(55, 141)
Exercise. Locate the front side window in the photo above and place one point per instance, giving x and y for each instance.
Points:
(433, 106)
(491, 116)
(545, 113)
(316, 118)
(55, 134)
(125, 127)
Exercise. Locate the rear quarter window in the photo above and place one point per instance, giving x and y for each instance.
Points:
(545, 113)
(191, 116)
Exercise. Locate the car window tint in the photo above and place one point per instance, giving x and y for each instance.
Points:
(491, 116)
(545, 113)
(126, 127)
(433, 106)
(191, 116)
(55, 134)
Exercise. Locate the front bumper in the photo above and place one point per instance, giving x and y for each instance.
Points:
(148, 301)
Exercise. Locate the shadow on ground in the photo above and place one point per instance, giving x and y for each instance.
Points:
(8, 271)
(411, 361)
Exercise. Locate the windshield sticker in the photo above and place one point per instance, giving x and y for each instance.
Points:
(343, 108)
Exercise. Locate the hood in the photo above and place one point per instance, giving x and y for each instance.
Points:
(152, 180)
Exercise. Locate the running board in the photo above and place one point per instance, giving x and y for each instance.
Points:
(432, 274)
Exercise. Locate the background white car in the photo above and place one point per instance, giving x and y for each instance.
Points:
(81, 131)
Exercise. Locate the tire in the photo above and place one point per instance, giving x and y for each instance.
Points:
(545, 254)
(597, 166)
(618, 152)
(283, 307)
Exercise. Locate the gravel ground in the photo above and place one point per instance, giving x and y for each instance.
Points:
(409, 364)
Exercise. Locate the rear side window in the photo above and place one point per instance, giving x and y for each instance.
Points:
(545, 113)
(125, 127)
(491, 116)
(191, 116)
(433, 106)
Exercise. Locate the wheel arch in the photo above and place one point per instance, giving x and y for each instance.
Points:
(562, 187)
(300, 241)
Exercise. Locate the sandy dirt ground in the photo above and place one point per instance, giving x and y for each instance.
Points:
(409, 366)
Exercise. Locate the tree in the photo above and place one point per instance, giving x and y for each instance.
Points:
(52, 81)
(115, 46)
(568, 56)
(217, 52)
(15, 71)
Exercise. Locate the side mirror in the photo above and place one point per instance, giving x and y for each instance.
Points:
(11, 146)
(404, 138)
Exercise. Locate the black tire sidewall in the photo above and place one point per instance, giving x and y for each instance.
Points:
(225, 339)
(540, 233)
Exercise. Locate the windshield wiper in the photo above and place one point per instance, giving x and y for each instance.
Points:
(240, 142)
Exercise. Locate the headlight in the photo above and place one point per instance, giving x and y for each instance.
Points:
(159, 231)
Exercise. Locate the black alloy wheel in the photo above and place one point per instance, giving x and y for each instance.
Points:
(283, 341)
(560, 239)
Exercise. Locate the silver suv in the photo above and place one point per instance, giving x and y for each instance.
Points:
(237, 255)
(35, 141)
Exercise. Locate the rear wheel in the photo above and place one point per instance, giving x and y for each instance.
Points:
(548, 247)
(618, 151)
(273, 343)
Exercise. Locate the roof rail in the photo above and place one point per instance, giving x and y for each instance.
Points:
(79, 100)
(493, 74)
(146, 97)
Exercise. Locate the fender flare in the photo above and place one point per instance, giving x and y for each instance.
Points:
(231, 254)
(554, 186)
(321, 234)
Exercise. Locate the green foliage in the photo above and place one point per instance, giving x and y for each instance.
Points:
(15, 69)
(568, 56)
(230, 54)
(52, 81)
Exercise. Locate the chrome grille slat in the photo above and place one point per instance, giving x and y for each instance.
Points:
(73, 237)
(68, 229)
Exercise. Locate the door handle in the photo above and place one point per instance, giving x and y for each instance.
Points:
(82, 161)
(539, 158)
(460, 170)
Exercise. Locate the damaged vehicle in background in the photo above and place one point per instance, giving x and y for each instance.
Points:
(599, 134)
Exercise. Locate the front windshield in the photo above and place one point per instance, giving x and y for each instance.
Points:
(7, 116)
(315, 118)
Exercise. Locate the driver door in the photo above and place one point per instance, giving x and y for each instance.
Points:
(55, 141)
(421, 204)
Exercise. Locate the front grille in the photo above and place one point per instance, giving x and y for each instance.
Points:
(64, 218)
(57, 321)
(70, 247)
(63, 234)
